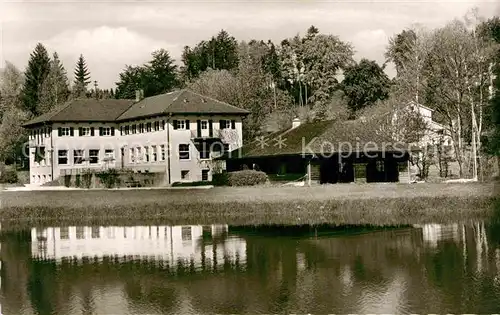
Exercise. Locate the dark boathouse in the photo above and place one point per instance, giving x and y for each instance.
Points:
(327, 152)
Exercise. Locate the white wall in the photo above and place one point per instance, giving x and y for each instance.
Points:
(42, 172)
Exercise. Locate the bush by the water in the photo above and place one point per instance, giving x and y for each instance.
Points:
(8, 176)
(246, 178)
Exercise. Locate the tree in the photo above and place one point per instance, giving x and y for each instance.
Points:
(55, 88)
(131, 79)
(11, 85)
(36, 72)
(160, 74)
(401, 50)
(310, 66)
(156, 77)
(12, 135)
(364, 84)
(220, 52)
(82, 78)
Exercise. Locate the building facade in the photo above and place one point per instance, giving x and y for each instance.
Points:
(178, 134)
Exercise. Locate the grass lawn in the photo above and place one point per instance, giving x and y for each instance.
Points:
(378, 204)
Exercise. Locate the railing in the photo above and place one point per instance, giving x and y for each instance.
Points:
(225, 135)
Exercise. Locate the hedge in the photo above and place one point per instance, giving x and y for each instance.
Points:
(246, 178)
(8, 176)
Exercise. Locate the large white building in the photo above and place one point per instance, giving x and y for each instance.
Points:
(178, 134)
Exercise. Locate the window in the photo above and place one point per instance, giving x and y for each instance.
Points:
(134, 129)
(96, 232)
(146, 152)
(141, 127)
(80, 232)
(94, 156)
(204, 124)
(42, 155)
(227, 124)
(184, 151)
(186, 233)
(84, 131)
(64, 233)
(204, 175)
(162, 154)
(180, 124)
(154, 153)
(65, 131)
(127, 130)
(138, 156)
(78, 156)
(157, 125)
(148, 127)
(185, 174)
(106, 131)
(380, 166)
(62, 157)
(111, 232)
(109, 155)
(162, 125)
(132, 155)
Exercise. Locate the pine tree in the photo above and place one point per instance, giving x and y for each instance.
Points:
(55, 88)
(82, 78)
(36, 72)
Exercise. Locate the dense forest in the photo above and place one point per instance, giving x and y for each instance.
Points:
(312, 75)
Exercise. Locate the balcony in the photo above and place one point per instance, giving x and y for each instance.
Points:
(223, 135)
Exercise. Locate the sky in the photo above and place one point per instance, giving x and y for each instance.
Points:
(112, 34)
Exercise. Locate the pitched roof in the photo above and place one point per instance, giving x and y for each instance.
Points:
(179, 102)
(324, 137)
(84, 110)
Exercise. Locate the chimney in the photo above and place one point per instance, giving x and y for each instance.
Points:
(137, 95)
(295, 123)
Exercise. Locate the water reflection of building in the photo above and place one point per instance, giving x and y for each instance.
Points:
(432, 233)
(199, 245)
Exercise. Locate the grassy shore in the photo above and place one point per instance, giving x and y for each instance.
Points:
(377, 204)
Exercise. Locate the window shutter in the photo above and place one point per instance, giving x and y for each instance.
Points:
(100, 131)
(233, 124)
(59, 132)
(121, 130)
(113, 131)
(210, 128)
(72, 131)
(175, 125)
(187, 124)
(92, 131)
(198, 126)
(80, 131)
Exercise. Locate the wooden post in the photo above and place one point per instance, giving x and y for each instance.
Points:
(309, 172)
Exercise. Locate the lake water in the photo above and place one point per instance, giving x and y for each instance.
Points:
(224, 269)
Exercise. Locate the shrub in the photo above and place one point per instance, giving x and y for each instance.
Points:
(8, 176)
(87, 179)
(247, 178)
(220, 179)
(109, 177)
(67, 180)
